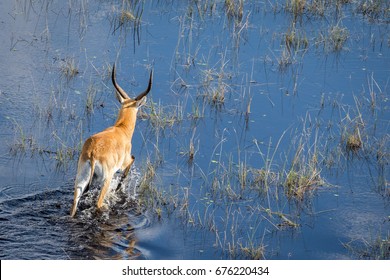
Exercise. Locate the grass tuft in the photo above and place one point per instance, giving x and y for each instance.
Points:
(334, 39)
(354, 142)
(296, 7)
(375, 10)
(161, 117)
(234, 9)
(376, 249)
(68, 68)
(214, 84)
(127, 16)
(338, 37)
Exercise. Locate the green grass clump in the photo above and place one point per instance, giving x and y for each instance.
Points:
(215, 86)
(376, 249)
(334, 39)
(161, 117)
(296, 7)
(127, 16)
(299, 182)
(234, 9)
(295, 40)
(68, 68)
(353, 142)
(375, 9)
(338, 37)
(253, 252)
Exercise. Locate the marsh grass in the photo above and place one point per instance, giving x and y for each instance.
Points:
(162, 116)
(129, 17)
(234, 9)
(353, 134)
(268, 175)
(294, 45)
(192, 149)
(382, 156)
(279, 219)
(22, 141)
(318, 7)
(233, 242)
(375, 249)
(334, 39)
(300, 173)
(93, 99)
(358, 136)
(232, 184)
(285, 60)
(28, 144)
(161, 202)
(69, 68)
(64, 154)
(353, 141)
(337, 37)
(149, 195)
(296, 7)
(374, 10)
(252, 251)
(295, 40)
(55, 131)
(263, 178)
(321, 8)
(301, 180)
(215, 85)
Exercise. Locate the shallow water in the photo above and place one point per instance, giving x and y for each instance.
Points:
(202, 209)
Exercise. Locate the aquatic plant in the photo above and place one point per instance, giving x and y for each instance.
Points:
(337, 37)
(68, 68)
(376, 249)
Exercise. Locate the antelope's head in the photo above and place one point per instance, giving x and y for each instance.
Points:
(124, 99)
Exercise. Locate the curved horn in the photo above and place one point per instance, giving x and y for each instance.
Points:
(141, 95)
(117, 87)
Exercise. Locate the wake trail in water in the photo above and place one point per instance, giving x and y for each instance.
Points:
(38, 226)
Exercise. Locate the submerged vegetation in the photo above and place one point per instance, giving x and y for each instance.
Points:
(376, 249)
(68, 68)
(212, 153)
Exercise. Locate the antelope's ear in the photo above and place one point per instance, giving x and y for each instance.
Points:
(141, 102)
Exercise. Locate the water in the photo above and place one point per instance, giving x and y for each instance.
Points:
(230, 86)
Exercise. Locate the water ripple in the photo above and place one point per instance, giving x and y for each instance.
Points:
(38, 226)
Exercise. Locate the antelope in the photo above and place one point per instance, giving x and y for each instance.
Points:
(106, 152)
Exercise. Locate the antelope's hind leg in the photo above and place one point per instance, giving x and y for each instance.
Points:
(81, 184)
(106, 185)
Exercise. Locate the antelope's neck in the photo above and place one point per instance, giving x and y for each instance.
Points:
(126, 122)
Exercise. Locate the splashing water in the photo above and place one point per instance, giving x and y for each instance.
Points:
(41, 223)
